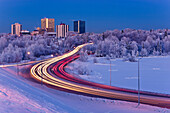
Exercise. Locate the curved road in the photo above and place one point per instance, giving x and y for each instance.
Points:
(51, 72)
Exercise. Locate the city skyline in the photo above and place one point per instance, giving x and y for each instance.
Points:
(48, 25)
(90, 56)
(103, 15)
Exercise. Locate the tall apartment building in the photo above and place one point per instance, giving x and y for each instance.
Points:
(47, 24)
(61, 30)
(79, 26)
(16, 29)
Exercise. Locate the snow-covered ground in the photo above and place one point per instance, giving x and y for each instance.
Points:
(154, 73)
(17, 96)
(21, 94)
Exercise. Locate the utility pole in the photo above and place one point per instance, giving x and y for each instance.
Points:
(138, 82)
(17, 69)
(110, 73)
(73, 64)
(41, 76)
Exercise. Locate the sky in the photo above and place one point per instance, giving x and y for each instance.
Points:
(100, 15)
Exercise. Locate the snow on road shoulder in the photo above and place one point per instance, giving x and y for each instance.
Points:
(17, 96)
(13, 101)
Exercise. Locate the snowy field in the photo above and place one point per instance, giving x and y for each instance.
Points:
(20, 94)
(154, 73)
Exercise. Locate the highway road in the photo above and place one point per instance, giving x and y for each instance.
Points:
(51, 72)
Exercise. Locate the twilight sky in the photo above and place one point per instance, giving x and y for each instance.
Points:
(100, 15)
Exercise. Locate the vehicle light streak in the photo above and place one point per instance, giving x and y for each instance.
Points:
(69, 82)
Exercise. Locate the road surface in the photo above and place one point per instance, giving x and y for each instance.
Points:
(51, 72)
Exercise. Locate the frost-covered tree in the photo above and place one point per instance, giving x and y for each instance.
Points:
(3, 43)
(83, 56)
(144, 52)
(11, 54)
(83, 70)
(114, 44)
(95, 60)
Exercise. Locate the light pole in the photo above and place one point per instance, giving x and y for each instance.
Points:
(17, 69)
(28, 53)
(41, 76)
(110, 73)
(72, 59)
(138, 82)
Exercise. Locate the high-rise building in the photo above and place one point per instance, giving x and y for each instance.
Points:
(25, 32)
(47, 24)
(16, 29)
(79, 26)
(61, 30)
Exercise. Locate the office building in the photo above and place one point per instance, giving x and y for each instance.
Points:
(53, 34)
(25, 32)
(35, 32)
(79, 26)
(61, 30)
(16, 29)
(47, 24)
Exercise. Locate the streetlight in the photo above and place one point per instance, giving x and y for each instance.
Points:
(72, 59)
(28, 53)
(110, 68)
(138, 82)
(17, 69)
(41, 76)
(110, 73)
